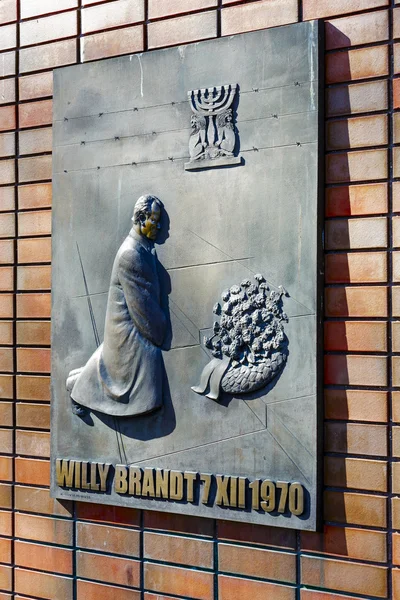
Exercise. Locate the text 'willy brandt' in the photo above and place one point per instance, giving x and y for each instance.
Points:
(228, 491)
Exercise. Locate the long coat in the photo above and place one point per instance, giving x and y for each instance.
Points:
(124, 376)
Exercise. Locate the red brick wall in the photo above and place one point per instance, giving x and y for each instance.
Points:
(86, 552)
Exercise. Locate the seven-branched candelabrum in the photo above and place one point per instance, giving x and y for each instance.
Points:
(249, 344)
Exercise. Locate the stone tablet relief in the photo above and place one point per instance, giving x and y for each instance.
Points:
(186, 296)
(213, 137)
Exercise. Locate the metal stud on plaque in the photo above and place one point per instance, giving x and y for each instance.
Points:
(213, 139)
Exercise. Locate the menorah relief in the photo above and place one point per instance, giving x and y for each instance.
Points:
(213, 138)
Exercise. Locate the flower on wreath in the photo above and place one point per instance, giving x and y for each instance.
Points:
(251, 322)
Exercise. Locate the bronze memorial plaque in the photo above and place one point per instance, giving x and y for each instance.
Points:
(186, 279)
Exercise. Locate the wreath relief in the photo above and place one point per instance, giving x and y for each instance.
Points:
(249, 344)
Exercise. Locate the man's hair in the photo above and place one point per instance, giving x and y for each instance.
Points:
(143, 207)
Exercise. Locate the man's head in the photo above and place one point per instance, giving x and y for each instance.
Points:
(147, 215)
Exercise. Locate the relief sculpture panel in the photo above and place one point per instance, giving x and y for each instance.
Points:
(213, 138)
(124, 375)
(186, 279)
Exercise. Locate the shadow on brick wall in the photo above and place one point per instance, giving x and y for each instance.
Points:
(337, 275)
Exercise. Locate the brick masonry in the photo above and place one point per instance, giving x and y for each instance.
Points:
(59, 551)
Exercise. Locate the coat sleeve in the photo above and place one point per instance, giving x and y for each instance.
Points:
(137, 281)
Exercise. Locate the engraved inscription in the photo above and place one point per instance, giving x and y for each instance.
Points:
(229, 491)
